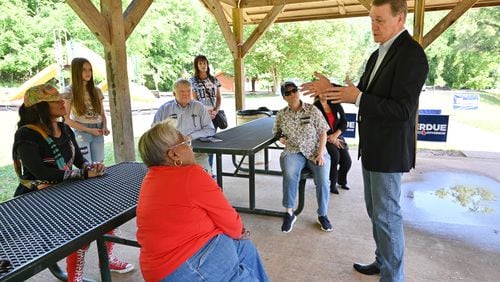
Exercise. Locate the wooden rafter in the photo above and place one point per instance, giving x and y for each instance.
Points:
(447, 21)
(89, 14)
(260, 3)
(366, 3)
(254, 11)
(134, 13)
(218, 12)
(232, 3)
(262, 28)
(341, 6)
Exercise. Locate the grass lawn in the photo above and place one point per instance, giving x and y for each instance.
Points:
(486, 118)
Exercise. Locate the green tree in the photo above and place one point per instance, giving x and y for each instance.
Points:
(296, 50)
(213, 45)
(20, 42)
(165, 40)
(467, 55)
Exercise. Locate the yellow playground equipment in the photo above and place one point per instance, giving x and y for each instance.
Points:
(64, 51)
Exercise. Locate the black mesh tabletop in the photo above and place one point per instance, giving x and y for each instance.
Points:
(40, 228)
(243, 139)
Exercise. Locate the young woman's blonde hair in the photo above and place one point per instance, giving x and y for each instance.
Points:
(77, 87)
(154, 143)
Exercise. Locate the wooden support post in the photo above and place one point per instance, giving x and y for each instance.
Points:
(118, 87)
(418, 21)
(239, 65)
(112, 29)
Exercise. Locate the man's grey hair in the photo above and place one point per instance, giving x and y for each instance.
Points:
(182, 81)
(397, 6)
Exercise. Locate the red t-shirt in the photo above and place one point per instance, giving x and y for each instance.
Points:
(179, 210)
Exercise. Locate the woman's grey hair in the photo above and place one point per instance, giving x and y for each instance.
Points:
(154, 143)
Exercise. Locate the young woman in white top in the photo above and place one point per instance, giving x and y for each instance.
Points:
(85, 111)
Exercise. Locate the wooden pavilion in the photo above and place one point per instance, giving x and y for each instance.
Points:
(112, 26)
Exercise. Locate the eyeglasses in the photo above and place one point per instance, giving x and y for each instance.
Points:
(291, 91)
(186, 141)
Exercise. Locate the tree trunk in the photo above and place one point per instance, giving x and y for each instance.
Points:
(254, 79)
(276, 81)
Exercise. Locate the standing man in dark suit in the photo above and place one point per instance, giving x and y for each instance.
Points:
(387, 97)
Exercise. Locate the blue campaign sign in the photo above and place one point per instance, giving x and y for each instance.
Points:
(351, 126)
(466, 101)
(429, 111)
(432, 128)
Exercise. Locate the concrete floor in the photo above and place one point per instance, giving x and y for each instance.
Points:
(309, 254)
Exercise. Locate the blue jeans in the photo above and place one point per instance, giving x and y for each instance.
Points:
(382, 194)
(291, 166)
(222, 259)
(92, 147)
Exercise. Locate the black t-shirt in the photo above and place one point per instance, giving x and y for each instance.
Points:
(37, 157)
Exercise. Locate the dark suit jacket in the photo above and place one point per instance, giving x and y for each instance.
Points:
(388, 107)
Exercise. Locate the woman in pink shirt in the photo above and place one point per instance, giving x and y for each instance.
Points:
(187, 229)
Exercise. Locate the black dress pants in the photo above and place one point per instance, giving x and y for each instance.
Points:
(340, 158)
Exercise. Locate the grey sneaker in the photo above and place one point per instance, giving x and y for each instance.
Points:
(324, 223)
(288, 222)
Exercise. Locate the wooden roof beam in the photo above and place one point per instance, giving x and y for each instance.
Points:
(89, 14)
(263, 3)
(366, 3)
(216, 8)
(341, 7)
(232, 3)
(447, 21)
(133, 15)
(262, 28)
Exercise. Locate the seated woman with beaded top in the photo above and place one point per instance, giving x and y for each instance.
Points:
(45, 152)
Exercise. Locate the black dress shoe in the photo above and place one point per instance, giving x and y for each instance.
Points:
(344, 187)
(367, 269)
(334, 190)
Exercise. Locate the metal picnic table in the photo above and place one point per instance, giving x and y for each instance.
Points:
(39, 229)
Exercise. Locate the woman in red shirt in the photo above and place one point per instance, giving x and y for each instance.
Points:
(336, 146)
(187, 229)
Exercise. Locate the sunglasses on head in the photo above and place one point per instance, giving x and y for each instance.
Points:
(291, 91)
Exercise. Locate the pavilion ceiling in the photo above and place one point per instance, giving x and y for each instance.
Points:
(255, 11)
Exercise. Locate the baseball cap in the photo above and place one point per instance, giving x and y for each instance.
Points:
(289, 85)
(41, 93)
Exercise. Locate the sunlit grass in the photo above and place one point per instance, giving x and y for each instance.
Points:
(487, 117)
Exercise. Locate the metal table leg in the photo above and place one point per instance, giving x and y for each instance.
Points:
(102, 250)
(251, 179)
